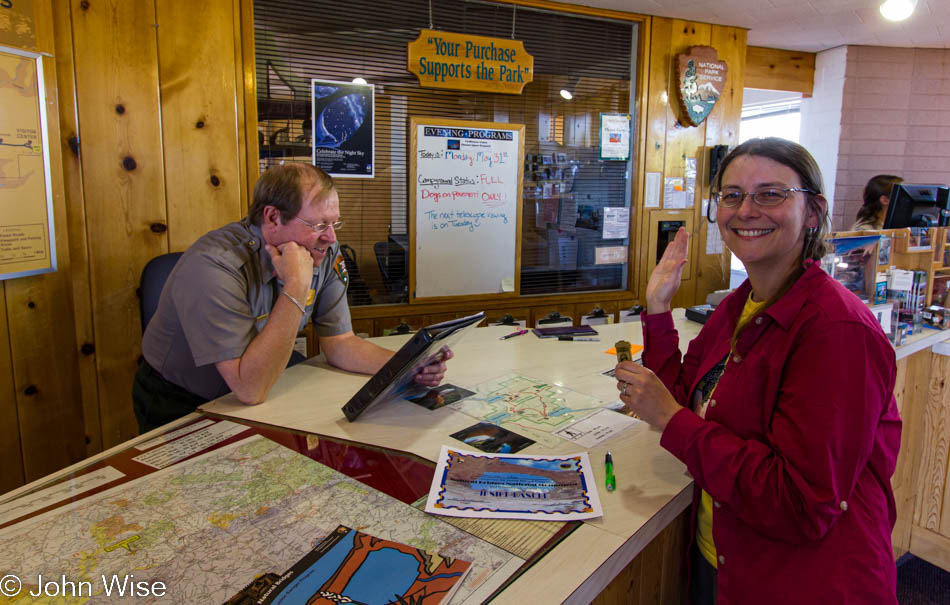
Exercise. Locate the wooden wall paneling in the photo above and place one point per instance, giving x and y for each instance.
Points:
(935, 440)
(657, 106)
(775, 69)
(363, 328)
(69, 144)
(11, 471)
(198, 117)
(123, 181)
(246, 96)
(640, 91)
(911, 371)
(683, 141)
(931, 547)
(939, 396)
(42, 339)
(722, 128)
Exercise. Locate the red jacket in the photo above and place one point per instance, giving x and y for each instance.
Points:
(798, 446)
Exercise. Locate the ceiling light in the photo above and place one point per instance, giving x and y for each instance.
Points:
(898, 10)
(566, 94)
(359, 81)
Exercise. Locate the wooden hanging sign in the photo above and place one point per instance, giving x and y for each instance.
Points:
(700, 80)
(463, 62)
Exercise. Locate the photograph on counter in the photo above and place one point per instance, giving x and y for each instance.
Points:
(546, 159)
(442, 395)
(343, 132)
(560, 158)
(492, 438)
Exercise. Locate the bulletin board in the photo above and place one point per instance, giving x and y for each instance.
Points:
(465, 204)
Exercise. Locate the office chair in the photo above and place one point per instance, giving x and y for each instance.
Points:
(154, 274)
(392, 266)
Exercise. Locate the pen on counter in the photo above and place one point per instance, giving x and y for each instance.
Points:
(610, 481)
(578, 338)
(513, 334)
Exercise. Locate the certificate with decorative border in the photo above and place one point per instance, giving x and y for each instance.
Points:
(513, 486)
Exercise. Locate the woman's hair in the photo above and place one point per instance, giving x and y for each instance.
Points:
(876, 187)
(797, 158)
(283, 186)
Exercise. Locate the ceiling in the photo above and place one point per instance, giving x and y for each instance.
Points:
(807, 25)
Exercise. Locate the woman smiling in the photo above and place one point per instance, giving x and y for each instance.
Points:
(782, 408)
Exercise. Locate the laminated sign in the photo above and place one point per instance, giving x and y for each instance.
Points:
(700, 80)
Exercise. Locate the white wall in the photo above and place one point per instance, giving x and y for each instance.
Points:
(822, 118)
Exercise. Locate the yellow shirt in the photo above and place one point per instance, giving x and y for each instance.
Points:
(704, 517)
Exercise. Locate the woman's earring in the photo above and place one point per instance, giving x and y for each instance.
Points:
(811, 232)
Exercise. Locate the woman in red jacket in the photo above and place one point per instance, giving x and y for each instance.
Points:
(782, 408)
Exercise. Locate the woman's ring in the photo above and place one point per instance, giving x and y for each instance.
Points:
(623, 389)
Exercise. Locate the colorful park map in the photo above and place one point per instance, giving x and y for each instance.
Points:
(24, 218)
(208, 526)
(529, 407)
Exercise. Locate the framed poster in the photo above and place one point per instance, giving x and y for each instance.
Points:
(614, 136)
(27, 244)
(344, 139)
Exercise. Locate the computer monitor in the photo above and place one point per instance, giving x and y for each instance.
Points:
(918, 206)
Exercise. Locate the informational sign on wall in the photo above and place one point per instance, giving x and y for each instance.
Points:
(463, 62)
(16, 24)
(466, 204)
(27, 246)
(343, 130)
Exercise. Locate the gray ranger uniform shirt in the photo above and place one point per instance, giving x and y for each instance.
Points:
(218, 298)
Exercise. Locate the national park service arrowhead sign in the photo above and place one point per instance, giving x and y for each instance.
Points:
(700, 80)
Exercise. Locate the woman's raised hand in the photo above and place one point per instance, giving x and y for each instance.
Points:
(666, 277)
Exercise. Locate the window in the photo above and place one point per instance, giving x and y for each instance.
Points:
(566, 186)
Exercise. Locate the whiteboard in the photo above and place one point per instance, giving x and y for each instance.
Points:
(466, 204)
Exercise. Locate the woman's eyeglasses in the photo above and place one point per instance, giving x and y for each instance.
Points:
(321, 227)
(768, 196)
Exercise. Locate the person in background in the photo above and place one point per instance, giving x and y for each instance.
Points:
(233, 305)
(877, 194)
(783, 407)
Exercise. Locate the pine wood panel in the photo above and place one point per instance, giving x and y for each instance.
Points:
(657, 105)
(246, 81)
(775, 69)
(123, 180)
(198, 117)
(684, 141)
(911, 371)
(40, 322)
(76, 225)
(935, 439)
(11, 471)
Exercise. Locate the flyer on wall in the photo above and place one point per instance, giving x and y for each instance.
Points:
(614, 136)
(342, 128)
(513, 486)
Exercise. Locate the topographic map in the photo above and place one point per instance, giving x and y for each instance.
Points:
(527, 406)
(23, 199)
(208, 526)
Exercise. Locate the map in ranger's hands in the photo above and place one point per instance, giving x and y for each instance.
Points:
(208, 526)
(527, 406)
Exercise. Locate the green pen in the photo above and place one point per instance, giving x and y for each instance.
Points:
(611, 481)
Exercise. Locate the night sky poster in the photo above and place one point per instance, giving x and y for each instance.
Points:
(343, 132)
